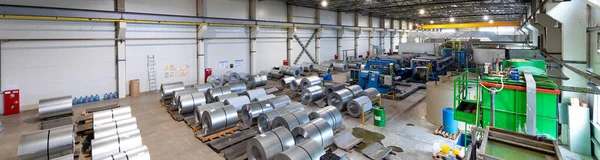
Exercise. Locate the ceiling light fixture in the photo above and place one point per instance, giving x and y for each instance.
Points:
(431, 22)
(324, 3)
(491, 21)
(452, 19)
(421, 11)
(486, 18)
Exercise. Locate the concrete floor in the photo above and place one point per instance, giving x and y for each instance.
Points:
(406, 128)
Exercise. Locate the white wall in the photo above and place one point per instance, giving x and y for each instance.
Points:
(44, 69)
(386, 23)
(171, 7)
(376, 22)
(107, 5)
(235, 9)
(228, 50)
(416, 47)
(271, 52)
(397, 24)
(363, 21)
(304, 35)
(386, 39)
(328, 17)
(348, 19)
(303, 14)
(328, 48)
(271, 11)
(363, 43)
(181, 54)
(348, 42)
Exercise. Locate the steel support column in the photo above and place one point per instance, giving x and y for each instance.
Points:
(382, 40)
(392, 35)
(120, 5)
(201, 55)
(371, 33)
(201, 8)
(318, 34)
(122, 88)
(252, 9)
(340, 34)
(253, 33)
(290, 33)
(356, 37)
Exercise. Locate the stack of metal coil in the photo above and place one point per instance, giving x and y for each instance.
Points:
(264, 120)
(306, 150)
(212, 93)
(198, 88)
(331, 114)
(116, 135)
(372, 93)
(274, 73)
(237, 102)
(111, 115)
(355, 89)
(243, 77)
(322, 69)
(252, 110)
(291, 70)
(341, 97)
(167, 89)
(310, 81)
(354, 65)
(215, 81)
(286, 81)
(200, 110)
(188, 102)
(55, 107)
(296, 85)
(231, 77)
(280, 101)
(257, 80)
(115, 127)
(224, 97)
(269, 144)
(139, 153)
(237, 87)
(358, 106)
(332, 88)
(219, 119)
(308, 67)
(312, 94)
(47, 144)
(252, 94)
(316, 129)
(290, 120)
(340, 66)
(106, 146)
(263, 98)
(327, 64)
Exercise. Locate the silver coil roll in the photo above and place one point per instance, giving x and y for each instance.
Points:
(275, 73)
(166, 90)
(355, 106)
(340, 66)
(178, 93)
(290, 120)
(215, 81)
(310, 81)
(339, 98)
(244, 77)
(355, 89)
(264, 120)
(372, 93)
(56, 106)
(218, 119)
(306, 150)
(286, 81)
(263, 98)
(200, 109)
(237, 102)
(296, 85)
(237, 87)
(302, 69)
(252, 94)
(252, 110)
(332, 88)
(257, 80)
(266, 146)
(331, 114)
(47, 144)
(116, 127)
(316, 129)
(106, 146)
(312, 94)
(264, 72)
(290, 70)
(354, 65)
(327, 64)
(280, 101)
(188, 102)
(322, 69)
(111, 115)
(139, 153)
(231, 77)
(224, 97)
(307, 66)
(211, 94)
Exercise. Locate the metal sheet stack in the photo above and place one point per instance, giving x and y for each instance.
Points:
(188, 102)
(257, 80)
(355, 106)
(290, 120)
(215, 81)
(264, 120)
(47, 144)
(219, 119)
(237, 87)
(312, 94)
(251, 111)
(212, 93)
(310, 81)
(331, 114)
(231, 77)
(116, 135)
(252, 94)
(167, 89)
(341, 97)
(237, 102)
(269, 144)
(54, 107)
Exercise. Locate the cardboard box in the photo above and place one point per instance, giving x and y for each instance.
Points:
(134, 88)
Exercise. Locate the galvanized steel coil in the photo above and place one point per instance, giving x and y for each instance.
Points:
(237, 102)
(331, 114)
(178, 93)
(339, 98)
(340, 66)
(312, 94)
(56, 106)
(244, 77)
(274, 73)
(327, 64)
(211, 94)
(215, 81)
(290, 120)
(355, 89)
(47, 144)
(200, 109)
(306, 150)
(291, 70)
(224, 97)
(322, 69)
(107, 146)
(139, 153)
(252, 94)
(310, 81)
(286, 81)
(355, 106)
(316, 129)
(372, 93)
(264, 72)
(237, 87)
(280, 101)
(354, 65)
(218, 119)
(188, 102)
(296, 85)
(111, 115)
(264, 98)
(252, 110)
(231, 77)
(166, 90)
(332, 88)
(307, 66)
(115, 127)
(264, 120)
(266, 146)
(257, 80)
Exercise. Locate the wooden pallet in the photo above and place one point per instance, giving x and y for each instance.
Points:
(217, 135)
(440, 131)
(176, 116)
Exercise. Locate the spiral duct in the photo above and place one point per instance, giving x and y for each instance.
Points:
(264, 120)
(290, 120)
(47, 144)
(237, 102)
(266, 146)
(188, 102)
(57, 106)
(316, 129)
(330, 113)
(218, 119)
(231, 77)
(106, 146)
(252, 110)
(355, 106)
(110, 115)
(252, 94)
(215, 81)
(312, 94)
(115, 127)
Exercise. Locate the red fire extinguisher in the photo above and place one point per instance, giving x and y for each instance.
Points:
(368, 53)
(390, 50)
(207, 72)
(285, 62)
(335, 57)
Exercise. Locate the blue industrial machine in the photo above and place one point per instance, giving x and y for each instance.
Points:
(428, 68)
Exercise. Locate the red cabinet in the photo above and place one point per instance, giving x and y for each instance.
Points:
(11, 102)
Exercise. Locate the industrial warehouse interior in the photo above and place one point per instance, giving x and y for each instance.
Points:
(299, 79)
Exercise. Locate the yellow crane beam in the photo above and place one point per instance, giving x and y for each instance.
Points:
(471, 25)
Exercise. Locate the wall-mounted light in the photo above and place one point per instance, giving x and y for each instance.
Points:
(324, 3)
